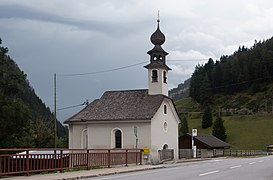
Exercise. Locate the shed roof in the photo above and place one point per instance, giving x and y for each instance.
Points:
(210, 141)
(120, 105)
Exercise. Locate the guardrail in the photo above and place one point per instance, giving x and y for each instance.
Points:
(209, 153)
(228, 152)
(26, 161)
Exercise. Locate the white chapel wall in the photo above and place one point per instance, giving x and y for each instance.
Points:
(101, 135)
(168, 135)
(75, 135)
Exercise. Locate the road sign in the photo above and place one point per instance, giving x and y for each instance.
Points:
(194, 132)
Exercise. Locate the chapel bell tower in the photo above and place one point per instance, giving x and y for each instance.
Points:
(157, 69)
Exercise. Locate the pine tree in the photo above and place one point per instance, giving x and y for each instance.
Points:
(184, 128)
(219, 129)
(207, 118)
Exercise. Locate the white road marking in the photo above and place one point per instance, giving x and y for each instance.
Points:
(252, 163)
(261, 161)
(233, 167)
(207, 173)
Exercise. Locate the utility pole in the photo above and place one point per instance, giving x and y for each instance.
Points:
(55, 113)
(272, 101)
(265, 104)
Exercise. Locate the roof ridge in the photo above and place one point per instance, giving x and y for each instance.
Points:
(126, 90)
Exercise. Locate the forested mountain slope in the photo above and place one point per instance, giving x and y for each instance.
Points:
(25, 121)
(248, 73)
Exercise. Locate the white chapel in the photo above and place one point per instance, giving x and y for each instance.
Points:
(119, 117)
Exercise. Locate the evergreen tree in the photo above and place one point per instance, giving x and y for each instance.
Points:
(219, 129)
(207, 118)
(184, 128)
(233, 73)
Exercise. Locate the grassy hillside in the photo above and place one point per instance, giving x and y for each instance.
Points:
(248, 116)
(187, 105)
(244, 132)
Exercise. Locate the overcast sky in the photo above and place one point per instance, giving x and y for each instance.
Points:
(82, 36)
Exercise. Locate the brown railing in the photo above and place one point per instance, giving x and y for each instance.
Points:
(25, 161)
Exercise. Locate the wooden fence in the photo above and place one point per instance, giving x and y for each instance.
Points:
(209, 153)
(185, 153)
(166, 154)
(228, 152)
(25, 161)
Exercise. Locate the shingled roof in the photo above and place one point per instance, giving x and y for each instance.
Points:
(120, 105)
(211, 141)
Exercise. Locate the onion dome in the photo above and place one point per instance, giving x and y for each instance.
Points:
(158, 38)
(157, 54)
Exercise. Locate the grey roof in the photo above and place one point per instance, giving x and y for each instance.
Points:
(157, 65)
(120, 105)
(211, 141)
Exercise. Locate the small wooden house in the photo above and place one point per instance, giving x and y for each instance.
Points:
(202, 141)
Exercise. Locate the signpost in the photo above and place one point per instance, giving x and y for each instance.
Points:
(194, 133)
(135, 131)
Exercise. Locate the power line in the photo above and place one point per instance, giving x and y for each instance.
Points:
(104, 71)
(239, 83)
(188, 60)
(123, 67)
(84, 103)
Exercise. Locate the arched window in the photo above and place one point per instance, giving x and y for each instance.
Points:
(165, 109)
(165, 77)
(154, 76)
(118, 139)
(165, 146)
(84, 139)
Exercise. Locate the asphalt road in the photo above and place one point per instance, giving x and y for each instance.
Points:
(259, 168)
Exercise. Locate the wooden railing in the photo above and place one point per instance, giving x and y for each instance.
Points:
(209, 153)
(25, 161)
(228, 152)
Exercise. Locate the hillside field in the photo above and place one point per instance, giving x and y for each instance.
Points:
(251, 132)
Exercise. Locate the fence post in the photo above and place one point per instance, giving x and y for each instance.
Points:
(136, 156)
(61, 163)
(1, 164)
(55, 158)
(140, 156)
(109, 160)
(87, 159)
(27, 162)
(126, 157)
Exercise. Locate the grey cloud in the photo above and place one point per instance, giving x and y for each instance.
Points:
(24, 12)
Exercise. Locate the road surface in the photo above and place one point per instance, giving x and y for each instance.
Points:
(258, 168)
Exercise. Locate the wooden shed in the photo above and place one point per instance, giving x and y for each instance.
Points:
(202, 141)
